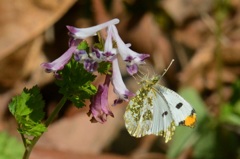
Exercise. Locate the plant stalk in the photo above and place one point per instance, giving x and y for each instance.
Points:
(28, 148)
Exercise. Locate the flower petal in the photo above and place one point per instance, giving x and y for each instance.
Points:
(109, 52)
(132, 69)
(60, 62)
(80, 55)
(99, 107)
(132, 58)
(90, 65)
(119, 87)
(82, 33)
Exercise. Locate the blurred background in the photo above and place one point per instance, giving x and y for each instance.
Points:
(203, 37)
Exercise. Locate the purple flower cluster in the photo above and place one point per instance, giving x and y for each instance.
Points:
(99, 108)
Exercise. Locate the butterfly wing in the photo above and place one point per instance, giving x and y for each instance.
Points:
(149, 113)
(182, 112)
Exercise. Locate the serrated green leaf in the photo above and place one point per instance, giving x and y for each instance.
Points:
(76, 83)
(77, 102)
(27, 109)
(18, 105)
(37, 130)
(89, 89)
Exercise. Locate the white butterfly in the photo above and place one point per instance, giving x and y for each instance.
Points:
(157, 110)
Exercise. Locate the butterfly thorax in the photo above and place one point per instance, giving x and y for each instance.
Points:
(146, 82)
(137, 103)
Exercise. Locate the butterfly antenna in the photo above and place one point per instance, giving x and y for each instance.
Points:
(139, 71)
(151, 68)
(134, 77)
(165, 70)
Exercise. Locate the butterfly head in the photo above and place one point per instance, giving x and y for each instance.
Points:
(155, 79)
(149, 82)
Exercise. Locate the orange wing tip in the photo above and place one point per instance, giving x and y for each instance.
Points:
(190, 120)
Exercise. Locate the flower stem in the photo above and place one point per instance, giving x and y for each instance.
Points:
(23, 140)
(56, 111)
(28, 148)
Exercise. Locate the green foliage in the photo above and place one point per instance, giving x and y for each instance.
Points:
(27, 109)
(230, 112)
(222, 10)
(213, 137)
(10, 147)
(76, 83)
(216, 143)
(104, 67)
(236, 92)
(100, 44)
(83, 46)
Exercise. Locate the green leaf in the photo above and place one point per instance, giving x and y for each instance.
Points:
(236, 92)
(216, 142)
(18, 105)
(228, 115)
(237, 107)
(83, 46)
(27, 109)
(10, 147)
(75, 83)
(104, 68)
(99, 45)
(205, 144)
(230, 112)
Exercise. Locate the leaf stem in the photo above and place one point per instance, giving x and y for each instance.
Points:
(28, 148)
(23, 139)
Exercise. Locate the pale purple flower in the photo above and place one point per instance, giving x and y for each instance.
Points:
(119, 87)
(60, 62)
(132, 58)
(82, 33)
(90, 65)
(96, 55)
(91, 60)
(99, 107)
(109, 52)
(80, 55)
